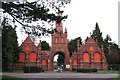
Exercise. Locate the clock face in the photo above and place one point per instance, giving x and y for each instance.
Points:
(27, 47)
(91, 48)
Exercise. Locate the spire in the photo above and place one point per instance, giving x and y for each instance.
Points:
(59, 14)
(39, 45)
(65, 30)
(59, 25)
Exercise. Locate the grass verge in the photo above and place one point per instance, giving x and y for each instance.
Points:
(11, 78)
(109, 71)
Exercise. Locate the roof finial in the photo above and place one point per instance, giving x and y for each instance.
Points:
(59, 14)
(65, 30)
(90, 33)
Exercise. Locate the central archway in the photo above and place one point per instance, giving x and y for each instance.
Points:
(58, 61)
(51, 59)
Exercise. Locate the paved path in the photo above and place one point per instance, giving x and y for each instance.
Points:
(60, 75)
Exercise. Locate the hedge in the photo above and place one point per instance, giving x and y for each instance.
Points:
(32, 69)
(74, 69)
(86, 70)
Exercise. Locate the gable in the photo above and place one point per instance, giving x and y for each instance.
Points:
(90, 40)
(28, 40)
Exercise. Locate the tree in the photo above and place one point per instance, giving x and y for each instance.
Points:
(111, 50)
(97, 35)
(39, 11)
(60, 60)
(45, 45)
(113, 54)
(107, 44)
(72, 45)
(10, 47)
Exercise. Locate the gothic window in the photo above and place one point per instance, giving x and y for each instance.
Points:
(56, 40)
(32, 57)
(86, 57)
(62, 40)
(21, 57)
(43, 62)
(75, 62)
(97, 57)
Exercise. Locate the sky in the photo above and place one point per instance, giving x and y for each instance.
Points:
(82, 17)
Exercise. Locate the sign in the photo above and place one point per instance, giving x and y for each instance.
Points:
(67, 66)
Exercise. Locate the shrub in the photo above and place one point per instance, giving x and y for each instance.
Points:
(86, 70)
(94, 70)
(32, 69)
(26, 69)
(79, 70)
(74, 69)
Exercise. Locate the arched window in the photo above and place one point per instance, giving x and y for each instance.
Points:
(21, 57)
(75, 62)
(56, 40)
(43, 62)
(86, 57)
(97, 57)
(62, 40)
(32, 57)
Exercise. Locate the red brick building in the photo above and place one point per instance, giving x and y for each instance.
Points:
(88, 55)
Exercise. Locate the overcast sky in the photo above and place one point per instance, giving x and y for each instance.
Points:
(82, 17)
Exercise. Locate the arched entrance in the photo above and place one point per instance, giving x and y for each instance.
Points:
(63, 54)
(58, 61)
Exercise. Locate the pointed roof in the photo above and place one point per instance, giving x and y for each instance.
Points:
(65, 30)
(28, 40)
(59, 14)
(39, 45)
(59, 25)
(90, 40)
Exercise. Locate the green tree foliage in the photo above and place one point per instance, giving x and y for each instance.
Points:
(45, 45)
(37, 11)
(111, 51)
(72, 45)
(107, 44)
(60, 60)
(10, 47)
(97, 35)
(113, 56)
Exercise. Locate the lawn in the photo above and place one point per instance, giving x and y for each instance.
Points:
(11, 78)
(109, 71)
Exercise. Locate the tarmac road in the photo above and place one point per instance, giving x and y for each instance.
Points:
(62, 76)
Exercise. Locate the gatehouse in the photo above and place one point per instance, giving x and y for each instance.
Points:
(88, 55)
